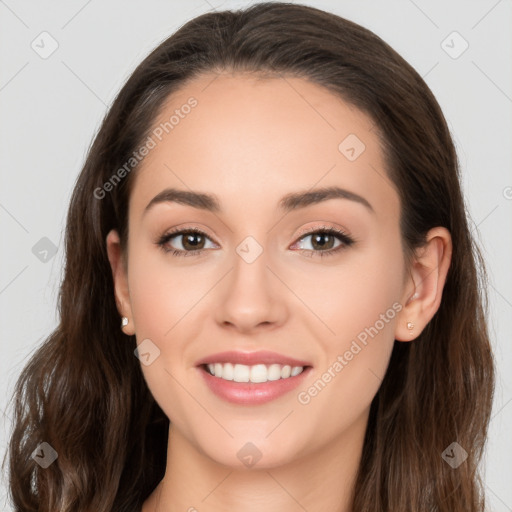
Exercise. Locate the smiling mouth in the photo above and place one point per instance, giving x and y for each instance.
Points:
(258, 373)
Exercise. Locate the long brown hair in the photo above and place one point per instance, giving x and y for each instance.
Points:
(83, 391)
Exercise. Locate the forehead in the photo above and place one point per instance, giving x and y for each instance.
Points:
(251, 140)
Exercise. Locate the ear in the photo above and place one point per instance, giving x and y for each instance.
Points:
(120, 277)
(424, 288)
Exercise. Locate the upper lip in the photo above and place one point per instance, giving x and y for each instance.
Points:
(251, 358)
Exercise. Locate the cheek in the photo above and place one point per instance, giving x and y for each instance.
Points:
(167, 302)
(163, 291)
(352, 294)
(162, 299)
(358, 305)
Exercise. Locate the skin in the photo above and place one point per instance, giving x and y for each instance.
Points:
(250, 142)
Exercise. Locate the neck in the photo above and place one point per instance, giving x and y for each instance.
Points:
(319, 481)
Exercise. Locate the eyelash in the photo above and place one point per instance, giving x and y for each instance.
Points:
(346, 240)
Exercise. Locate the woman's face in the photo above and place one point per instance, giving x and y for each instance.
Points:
(265, 276)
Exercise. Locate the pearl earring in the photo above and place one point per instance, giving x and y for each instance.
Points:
(410, 326)
(124, 322)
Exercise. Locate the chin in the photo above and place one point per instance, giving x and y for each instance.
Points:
(251, 452)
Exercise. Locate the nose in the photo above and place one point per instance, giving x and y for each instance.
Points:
(252, 297)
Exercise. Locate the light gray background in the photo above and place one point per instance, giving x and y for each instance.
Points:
(51, 108)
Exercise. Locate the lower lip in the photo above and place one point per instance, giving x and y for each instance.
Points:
(251, 393)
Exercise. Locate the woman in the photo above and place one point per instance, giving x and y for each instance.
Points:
(323, 345)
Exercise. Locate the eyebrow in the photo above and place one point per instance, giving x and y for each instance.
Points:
(289, 202)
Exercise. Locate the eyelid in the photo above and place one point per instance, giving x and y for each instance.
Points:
(181, 231)
(303, 232)
(343, 236)
(323, 227)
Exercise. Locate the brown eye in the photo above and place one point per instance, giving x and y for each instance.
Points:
(323, 241)
(192, 241)
(185, 242)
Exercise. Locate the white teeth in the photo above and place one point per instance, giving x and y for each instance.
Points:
(296, 370)
(228, 371)
(274, 372)
(256, 373)
(286, 371)
(241, 373)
